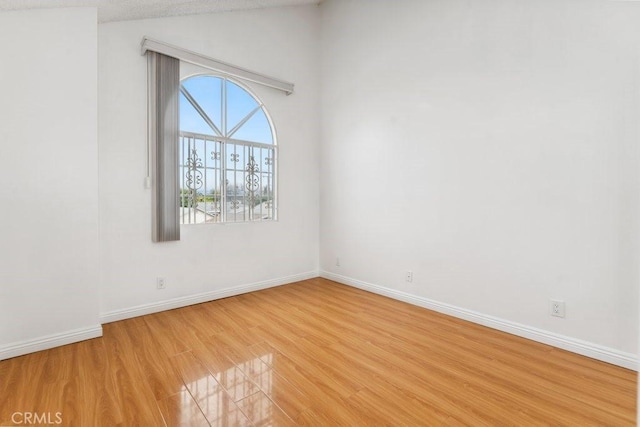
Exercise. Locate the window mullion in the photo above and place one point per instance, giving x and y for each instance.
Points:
(223, 181)
(199, 110)
(243, 121)
(223, 149)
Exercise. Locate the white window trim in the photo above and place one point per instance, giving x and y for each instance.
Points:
(224, 68)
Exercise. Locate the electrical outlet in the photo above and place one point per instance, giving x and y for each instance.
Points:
(409, 276)
(160, 283)
(337, 261)
(557, 308)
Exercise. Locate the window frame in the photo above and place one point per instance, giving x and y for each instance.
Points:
(226, 141)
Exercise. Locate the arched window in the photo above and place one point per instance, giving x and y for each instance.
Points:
(228, 153)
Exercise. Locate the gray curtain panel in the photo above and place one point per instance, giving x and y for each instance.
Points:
(164, 89)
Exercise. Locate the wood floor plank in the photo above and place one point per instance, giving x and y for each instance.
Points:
(284, 394)
(213, 400)
(313, 353)
(154, 363)
(264, 351)
(314, 418)
(133, 394)
(95, 379)
(398, 410)
(60, 364)
(261, 410)
(166, 331)
(181, 410)
(200, 324)
(227, 373)
(18, 391)
(227, 322)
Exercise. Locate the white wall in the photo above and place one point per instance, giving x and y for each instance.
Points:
(491, 148)
(281, 42)
(49, 175)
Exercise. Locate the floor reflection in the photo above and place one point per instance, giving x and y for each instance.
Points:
(226, 397)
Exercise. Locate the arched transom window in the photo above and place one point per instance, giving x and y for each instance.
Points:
(228, 152)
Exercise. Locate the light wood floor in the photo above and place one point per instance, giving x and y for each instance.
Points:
(313, 353)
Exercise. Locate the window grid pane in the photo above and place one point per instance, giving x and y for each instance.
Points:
(222, 178)
(248, 191)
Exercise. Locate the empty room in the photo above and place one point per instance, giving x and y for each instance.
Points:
(319, 212)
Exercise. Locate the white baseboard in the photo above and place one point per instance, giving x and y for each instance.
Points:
(155, 307)
(595, 351)
(49, 341)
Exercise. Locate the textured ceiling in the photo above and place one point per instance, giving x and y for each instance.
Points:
(122, 10)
